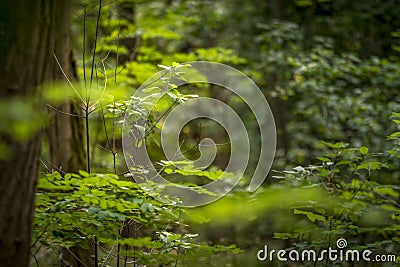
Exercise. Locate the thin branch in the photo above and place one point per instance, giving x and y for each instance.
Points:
(87, 115)
(44, 165)
(116, 62)
(45, 229)
(60, 257)
(76, 257)
(105, 80)
(94, 52)
(66, 77)
(108, 255)
(62, 112)
(52, 165)
(105, 127)
(36, 261)
(84, 46)
(158, 119)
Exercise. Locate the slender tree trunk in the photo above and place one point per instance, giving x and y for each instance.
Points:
(27, 35)
(65, 136)
(65, 132)
(278, 105)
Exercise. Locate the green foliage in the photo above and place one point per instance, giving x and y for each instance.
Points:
(74, 208)
(21, 118)
(333, 86)
(330, 96)
(358, 202)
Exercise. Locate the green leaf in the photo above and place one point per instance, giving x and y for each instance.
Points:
(284, 236)
(103, 204)
(364, 150)
(102, 215)
(394, 135)
(374, 165)
(324, 159)
(119, 207)
(84, 173)
(336, 145)
(311, 216)
(93, 210)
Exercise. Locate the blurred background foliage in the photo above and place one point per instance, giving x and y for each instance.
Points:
(330, 71)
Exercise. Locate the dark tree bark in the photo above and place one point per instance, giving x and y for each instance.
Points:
(65, 132)
(27, 42)
(65, 136)
(277, 104)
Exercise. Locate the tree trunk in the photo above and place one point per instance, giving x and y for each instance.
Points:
(278, 105)
(27, 34)
(64, 134)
